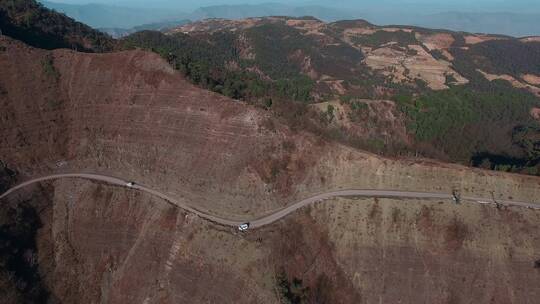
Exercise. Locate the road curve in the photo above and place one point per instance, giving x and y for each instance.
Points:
(121, 182)
(275, 215)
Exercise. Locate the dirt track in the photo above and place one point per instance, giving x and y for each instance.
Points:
(275, 215)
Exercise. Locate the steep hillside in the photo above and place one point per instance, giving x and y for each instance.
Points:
(344, 51)
(461, 97)
(29, 21)
(114, 245)
(130, 114)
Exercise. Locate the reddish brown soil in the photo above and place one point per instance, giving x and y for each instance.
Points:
(303, 251)
(535, 113)
(105, 244)
(129, 114)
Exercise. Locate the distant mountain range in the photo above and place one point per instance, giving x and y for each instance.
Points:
(118, 21)
(109, 16)
(158, 26)
(269, 9)
(497, 23)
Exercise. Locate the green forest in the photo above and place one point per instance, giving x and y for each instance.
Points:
(206, 64)
(30, 22)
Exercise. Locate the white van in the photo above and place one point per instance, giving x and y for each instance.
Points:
(243, 227)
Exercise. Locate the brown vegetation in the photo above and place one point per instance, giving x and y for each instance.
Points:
(129, 114)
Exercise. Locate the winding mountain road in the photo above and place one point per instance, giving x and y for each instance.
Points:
(277, 214)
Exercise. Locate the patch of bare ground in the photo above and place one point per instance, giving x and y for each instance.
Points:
(305, 62)
(535, 113)
(309, 27)
(406, 251)
(439, 41)
(475, 39)
(113, 245)
(212, 25)
(403, 66)
(436, 41)
(359, 31)
(513, 81)
(530, 39)
(367, 119)
(531, 79)
(303, 252)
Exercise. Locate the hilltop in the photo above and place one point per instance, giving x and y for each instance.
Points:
(455, 96)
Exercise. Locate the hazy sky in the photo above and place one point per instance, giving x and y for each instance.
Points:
(420, 5)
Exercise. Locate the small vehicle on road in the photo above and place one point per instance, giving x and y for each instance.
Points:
(243, 227)
(130, 184)
(456, 197)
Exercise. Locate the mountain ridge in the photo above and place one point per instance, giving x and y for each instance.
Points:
(339, 67)
(521, 23)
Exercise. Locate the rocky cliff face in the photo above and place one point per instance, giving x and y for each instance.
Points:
(130, 115)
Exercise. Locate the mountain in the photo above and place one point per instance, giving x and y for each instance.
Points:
(181, 166)
(159, 26)
(423, 7)
(129, 114)
(32, 23)
(456, 96)
(268, 9)
(109, 16)
(512, 24)
(468, 19)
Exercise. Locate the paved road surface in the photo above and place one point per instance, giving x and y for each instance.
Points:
(277, 214)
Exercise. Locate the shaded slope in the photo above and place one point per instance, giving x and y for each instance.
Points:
(30, 22)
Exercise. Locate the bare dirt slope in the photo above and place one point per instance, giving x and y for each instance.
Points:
(112, 245)
(128, 114)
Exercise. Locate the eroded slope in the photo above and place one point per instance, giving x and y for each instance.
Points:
(130, 115)
(114, 245)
